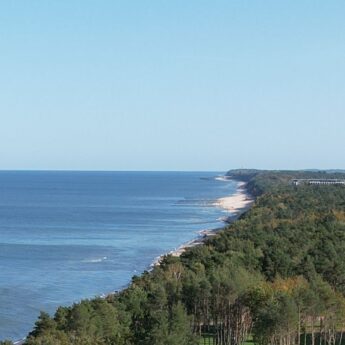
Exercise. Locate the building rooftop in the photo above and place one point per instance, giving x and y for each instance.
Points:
(297, 182)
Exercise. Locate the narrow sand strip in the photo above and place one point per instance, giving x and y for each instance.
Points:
(238, 202)
(235, 205)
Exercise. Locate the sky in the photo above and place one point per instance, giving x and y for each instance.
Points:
(172, 85)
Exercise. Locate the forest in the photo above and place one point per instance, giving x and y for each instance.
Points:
(276, 276)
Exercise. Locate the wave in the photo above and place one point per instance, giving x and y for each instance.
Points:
(96, 260)
(222, 178)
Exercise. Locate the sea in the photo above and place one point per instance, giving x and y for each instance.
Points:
(66, 236)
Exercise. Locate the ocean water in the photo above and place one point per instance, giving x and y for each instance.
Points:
(71, 235)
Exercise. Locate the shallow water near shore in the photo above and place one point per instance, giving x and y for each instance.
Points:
(65, 236)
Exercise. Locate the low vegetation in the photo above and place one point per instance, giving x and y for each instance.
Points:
(277, 274)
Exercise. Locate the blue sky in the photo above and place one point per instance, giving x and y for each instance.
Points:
(172, 85)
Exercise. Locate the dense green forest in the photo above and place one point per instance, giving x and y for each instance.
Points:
(276, 275)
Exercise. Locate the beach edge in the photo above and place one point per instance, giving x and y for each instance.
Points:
(236, 204)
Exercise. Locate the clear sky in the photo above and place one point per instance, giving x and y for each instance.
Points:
(172, 84)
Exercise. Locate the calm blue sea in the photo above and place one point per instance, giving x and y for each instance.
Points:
(71, 235)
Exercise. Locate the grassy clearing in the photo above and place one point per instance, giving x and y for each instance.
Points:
(208, 340)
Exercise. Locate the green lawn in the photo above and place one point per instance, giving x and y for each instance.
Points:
(209, 341)
(206, 341)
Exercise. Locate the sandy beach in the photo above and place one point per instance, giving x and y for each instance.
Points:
(233, 205)
(237, 203)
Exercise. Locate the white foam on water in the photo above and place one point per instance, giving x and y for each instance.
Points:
(96, 260)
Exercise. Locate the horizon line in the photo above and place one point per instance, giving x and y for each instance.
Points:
(105, 170)
(160, 170)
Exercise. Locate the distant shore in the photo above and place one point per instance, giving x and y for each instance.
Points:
(234, 205)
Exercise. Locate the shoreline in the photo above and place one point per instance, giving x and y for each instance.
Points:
(235, 204)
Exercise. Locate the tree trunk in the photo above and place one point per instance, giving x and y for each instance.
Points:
(341, 337)
(299, 327)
